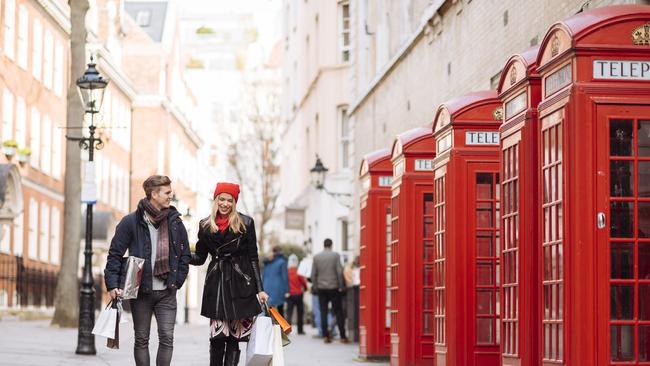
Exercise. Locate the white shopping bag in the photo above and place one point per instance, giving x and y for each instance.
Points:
(106, 323)
(304, 268)
(278, 352)
(260, 346)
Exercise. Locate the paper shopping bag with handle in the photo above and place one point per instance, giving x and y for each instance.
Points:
(105, 324)
(260, 345)
(278, 352)
(280, 320)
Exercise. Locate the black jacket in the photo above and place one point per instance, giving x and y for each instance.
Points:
(132, 233)
(232, 281)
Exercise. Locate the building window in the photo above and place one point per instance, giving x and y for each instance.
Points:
(37, 51)
(32, 251)
(161, 157)
(143, 18)
(10, 29)
(345, 136)
(99, 162)
(46, 145)
(59, 80)
(35, 138)
(44, 254)
(5, 242)
(48, 64)
(18, 234)
(23, 33)
(57, 152)
(344, 235)
(21, 122)
(7, 115)
(344, 29)
(55, 235)
(105, 180)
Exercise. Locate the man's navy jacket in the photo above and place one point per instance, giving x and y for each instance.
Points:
(132, 233)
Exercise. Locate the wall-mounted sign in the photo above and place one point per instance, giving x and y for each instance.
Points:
(516, 105)
(481, 138)
(557, 80)
(423, 164)
(385, 181)
(294, 218)
(621, 70)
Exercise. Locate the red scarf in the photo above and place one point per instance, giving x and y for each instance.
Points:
(222, 222)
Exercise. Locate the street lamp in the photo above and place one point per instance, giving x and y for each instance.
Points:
(318, 173)
(91, 87)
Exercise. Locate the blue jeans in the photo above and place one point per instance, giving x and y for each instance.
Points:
(161, 304)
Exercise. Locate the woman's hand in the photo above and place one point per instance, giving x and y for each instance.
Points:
(263, 297)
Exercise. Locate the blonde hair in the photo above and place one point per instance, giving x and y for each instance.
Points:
(235, 221)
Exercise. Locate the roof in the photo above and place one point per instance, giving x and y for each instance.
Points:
(377, 156)
(472, 103)
(580, 22)
(157, 14)
(458, 103)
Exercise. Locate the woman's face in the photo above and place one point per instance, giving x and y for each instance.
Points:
(225, 203)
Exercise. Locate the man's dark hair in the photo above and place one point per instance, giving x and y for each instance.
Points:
(277, 249)
(327, 243)
(154, 182)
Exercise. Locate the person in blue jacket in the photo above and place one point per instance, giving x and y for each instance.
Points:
(276, 278)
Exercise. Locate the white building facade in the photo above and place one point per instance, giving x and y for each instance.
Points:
(316, 85)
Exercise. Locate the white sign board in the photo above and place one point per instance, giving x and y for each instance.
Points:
(89, 186)
(621, 70)
(481, 138)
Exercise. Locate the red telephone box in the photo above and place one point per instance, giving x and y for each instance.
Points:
(520, 91)
(376, 176)
(466, 202)
(595, 188)
(411, 249)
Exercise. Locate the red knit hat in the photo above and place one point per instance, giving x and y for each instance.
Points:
(230, 188)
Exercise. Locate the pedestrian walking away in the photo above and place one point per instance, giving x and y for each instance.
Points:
(233, 288)
(154, 232)
(327, 281)
(297, 287)
(276, 278)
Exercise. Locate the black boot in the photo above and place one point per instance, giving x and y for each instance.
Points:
(217, 349)
(232, 353)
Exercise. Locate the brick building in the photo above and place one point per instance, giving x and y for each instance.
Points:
(34, 52)
(411, 55)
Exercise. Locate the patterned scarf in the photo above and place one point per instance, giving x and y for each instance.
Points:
(159, 220)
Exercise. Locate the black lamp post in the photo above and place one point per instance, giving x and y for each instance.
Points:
(91, 88)
(318, 173)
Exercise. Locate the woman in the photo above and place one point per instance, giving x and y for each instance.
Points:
(297, 286)
(233, 287)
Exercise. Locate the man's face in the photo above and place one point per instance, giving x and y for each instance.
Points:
(161, 198)
(225, 202)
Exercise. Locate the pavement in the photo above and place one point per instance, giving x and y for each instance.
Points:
(35, 342)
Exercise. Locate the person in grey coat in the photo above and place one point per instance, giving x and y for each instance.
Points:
(327, 282)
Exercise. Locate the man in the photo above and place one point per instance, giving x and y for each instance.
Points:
(156, 233)
(327, 281)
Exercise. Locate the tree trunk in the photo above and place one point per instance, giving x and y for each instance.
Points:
(66, 299)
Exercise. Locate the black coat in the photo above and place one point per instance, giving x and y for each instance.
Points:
(230, 287)
(132, 233)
